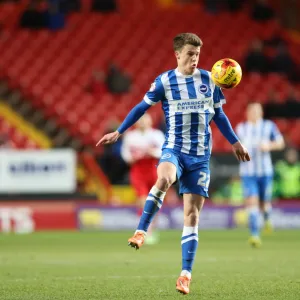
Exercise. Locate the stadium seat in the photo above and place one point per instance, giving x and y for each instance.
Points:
(54, 68)
(17, 139)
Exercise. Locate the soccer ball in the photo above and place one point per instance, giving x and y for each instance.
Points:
(226, 73)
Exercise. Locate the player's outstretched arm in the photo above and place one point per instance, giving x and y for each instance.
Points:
(109, 138)
(131, 118)
(225, 127)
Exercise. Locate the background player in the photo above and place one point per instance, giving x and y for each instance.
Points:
(190, 102)
(260, 137)
(141, 149)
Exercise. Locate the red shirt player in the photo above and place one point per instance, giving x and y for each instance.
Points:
(141, 149)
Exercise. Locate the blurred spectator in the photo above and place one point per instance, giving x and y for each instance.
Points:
(56, 18)
(255, 60)
(66, 6)
(272, 108)
(276, 38)
(97, 85)
(104, 5)
(33, 17)
(40, 16)
(262, 11)
(117, 81)
(287, 176)
(290, 108)
(282, 62)
(110, 160)
(292, 104)
(212, 6)
(234, 5)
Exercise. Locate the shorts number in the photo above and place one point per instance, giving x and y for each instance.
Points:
(203, 180)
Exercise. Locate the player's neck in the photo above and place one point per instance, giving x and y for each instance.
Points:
(184, 72)
(255, 121)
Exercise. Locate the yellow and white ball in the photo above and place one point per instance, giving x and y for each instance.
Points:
(226, 73)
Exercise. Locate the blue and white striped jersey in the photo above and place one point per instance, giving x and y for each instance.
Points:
(188, 103)
(252, 136)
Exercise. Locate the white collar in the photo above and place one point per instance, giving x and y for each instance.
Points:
(196, 71)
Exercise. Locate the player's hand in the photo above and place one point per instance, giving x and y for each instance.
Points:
(109, 138)
(240, 152)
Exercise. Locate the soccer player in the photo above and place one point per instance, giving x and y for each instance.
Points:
(190, 101)
(260, 137)
(141, 149)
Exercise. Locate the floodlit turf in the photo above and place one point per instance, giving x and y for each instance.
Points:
(88, 266)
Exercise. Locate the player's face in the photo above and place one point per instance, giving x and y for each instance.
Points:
(254, 112)
(187, 59)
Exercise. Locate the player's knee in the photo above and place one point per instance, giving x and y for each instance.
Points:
(267, 205)
(252, 201)
(191, 218)
(164, 182)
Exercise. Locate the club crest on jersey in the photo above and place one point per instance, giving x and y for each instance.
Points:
(152, 87)
(203, 88)
(166, 155)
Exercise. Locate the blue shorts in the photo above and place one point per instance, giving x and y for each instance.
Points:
(192, 172)
(260, 187)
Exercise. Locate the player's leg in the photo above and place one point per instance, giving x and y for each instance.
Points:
(140, 184)
(265, 197)
(194, 186)
(142, 194)
(250, 189)
(189, 242)
(166, 176)
(152, 234)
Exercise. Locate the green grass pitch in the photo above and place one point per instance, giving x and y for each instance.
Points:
(99, 265)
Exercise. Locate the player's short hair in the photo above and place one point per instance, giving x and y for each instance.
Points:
(183, 39)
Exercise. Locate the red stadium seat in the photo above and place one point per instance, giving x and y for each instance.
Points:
(55, 67)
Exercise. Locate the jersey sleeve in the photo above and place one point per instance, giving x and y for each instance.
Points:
(155, 93)
(218, 97)
(275, 133)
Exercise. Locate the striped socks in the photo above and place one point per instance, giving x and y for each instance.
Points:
(189, 245)
(153, 204)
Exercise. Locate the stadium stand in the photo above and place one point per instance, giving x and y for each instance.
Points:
(52, 68)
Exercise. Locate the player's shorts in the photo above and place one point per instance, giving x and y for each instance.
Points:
(193, 173)
(260, 187)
